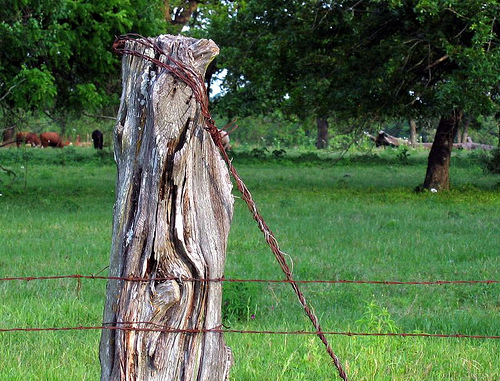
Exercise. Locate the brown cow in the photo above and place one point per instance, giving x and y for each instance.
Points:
(52, 139)
(20, 136)
(33, 140)
(28, 138)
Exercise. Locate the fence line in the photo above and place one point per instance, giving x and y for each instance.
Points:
(223, 279)
(158, 328)
(132, 326)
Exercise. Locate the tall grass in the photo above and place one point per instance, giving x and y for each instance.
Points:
(357, 219)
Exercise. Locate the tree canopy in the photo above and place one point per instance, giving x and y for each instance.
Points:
(368, 59)
(56, 55)
(354, 60)
(364, 60)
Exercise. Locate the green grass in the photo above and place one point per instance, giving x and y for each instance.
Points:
(358, 219)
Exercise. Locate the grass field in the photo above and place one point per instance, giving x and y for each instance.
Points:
(357, 219)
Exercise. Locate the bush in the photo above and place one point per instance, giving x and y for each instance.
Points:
(279, 153)
(491, 163)
(259, 152)
(403, 154)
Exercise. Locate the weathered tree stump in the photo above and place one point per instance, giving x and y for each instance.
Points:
(171, 219)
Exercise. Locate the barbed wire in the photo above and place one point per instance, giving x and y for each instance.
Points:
(134, 326)
(224, 279)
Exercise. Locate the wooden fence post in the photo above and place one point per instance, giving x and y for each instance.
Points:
(171, 219)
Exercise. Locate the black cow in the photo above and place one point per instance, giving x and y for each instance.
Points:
(97, 139)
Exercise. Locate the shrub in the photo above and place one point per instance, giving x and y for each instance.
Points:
(491, 163)
(403, 154)
(279, 153)
(259, 152)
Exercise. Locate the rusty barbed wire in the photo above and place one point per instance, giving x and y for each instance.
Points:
(197, 85)
(224, 279)
(136, 326)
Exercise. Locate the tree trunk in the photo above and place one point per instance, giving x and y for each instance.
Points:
(322, 141)
(413, 132)
(497, 117)
(171, 219)
(8, 135)
(464, 136)
(438, 164)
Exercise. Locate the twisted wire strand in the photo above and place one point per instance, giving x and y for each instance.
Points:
(153, 327)
(224, 279)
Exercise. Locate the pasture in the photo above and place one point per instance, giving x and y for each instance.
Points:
(357, 219)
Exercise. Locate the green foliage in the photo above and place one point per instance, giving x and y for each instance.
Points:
(89, 95)
(56, 55)
(486, 131)
(376, 319)
(403, 154)
(279, 152)
(239, 302)
(37, 88)
(362, 60)
(259, 153)
(308, 157)
(271, 130)
(492, 162)
(279, 43)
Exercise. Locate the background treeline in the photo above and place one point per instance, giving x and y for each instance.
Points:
(294, 73)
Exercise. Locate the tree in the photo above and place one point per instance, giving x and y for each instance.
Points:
(56, 54)
(425, 58)
(437, 174)
(278, 55)
(363, 59)
(413, 132)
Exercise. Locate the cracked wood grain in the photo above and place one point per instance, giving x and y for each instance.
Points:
(171, 218)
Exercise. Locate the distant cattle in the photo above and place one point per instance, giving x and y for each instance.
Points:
(97, 138)
(20, 136)
(33, 139)
(27, 138)
(52, 139)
